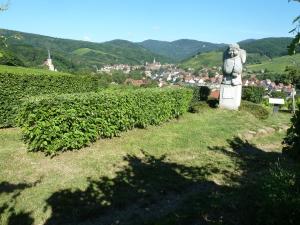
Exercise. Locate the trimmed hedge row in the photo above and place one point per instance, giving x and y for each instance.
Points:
(71, 121)
(17, 83)
(259, 111)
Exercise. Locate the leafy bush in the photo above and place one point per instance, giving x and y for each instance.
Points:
(292, 140)
(201, 93)
(278, 94)
(71, 121)
(257, 110)
(279, 197)
(17, 83)
(253, 94)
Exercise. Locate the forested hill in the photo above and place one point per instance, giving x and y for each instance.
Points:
(71, 55)
(270, 47)
(258, 52)
(180, 49)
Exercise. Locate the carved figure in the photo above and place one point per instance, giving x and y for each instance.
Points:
(233, 60)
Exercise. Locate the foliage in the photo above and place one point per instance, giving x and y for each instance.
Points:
(259, 111)
(278, 196)
(293, 75)
(17, 83)
(72, 121)
(200, 96)
(278, 94)
(118, 77)
(201, 93)
(9, 59)
(136, 74)
(292, 140)
(253, 94)
(296, 41)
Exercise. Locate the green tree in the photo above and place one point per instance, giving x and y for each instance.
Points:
(296, 41)
(4, 6)
(136, 74)
(118, 77)
(292, 76)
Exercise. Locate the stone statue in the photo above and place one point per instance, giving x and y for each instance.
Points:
(231, 87)
(233, 59)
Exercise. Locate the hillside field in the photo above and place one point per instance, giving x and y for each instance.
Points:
(277, 64)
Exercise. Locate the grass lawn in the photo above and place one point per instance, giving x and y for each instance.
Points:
(188, 171)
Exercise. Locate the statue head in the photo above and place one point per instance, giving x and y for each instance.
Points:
(233, 50)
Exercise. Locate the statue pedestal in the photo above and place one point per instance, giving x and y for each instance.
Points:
(230, 96)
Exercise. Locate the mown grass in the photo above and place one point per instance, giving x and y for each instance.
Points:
(143, 177)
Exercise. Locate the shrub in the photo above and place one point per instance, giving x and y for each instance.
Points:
(71, 121)
(278, 197)
(257, 110)
(278, 94)
(201, 93)
(17, 83)
(253, 94)
(292, 140)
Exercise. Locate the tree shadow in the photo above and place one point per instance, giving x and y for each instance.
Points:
(147, 188)
(153, 190)
(249, 158)
(15, 190)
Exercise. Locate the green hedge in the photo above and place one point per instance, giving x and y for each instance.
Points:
(71, 121)
(253, 94)
(17, 83)
(259, 111)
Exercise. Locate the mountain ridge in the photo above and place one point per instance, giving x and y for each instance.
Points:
(31, 49)
(84, 56)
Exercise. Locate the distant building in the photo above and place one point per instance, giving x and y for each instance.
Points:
(49, 63)
(153, 66)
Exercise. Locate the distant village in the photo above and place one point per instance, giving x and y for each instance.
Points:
(171, 74)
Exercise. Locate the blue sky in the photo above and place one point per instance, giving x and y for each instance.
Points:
(217, 21)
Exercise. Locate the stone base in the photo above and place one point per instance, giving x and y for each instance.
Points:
(230, 96)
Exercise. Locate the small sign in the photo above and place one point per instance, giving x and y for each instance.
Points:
(276, 101)
(228, 93)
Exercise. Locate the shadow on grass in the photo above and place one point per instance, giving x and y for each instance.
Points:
(146, 188)
(152, 190)
(15, 190)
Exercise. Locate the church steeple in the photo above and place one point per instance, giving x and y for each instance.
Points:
(49, 62)
(49, 55)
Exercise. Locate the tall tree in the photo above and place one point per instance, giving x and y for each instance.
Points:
(296, 41)
(4, 6)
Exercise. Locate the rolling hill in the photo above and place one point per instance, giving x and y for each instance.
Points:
(277, 64)
(71, 55)
(181, 49)
(264, 53)
(270, 47)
